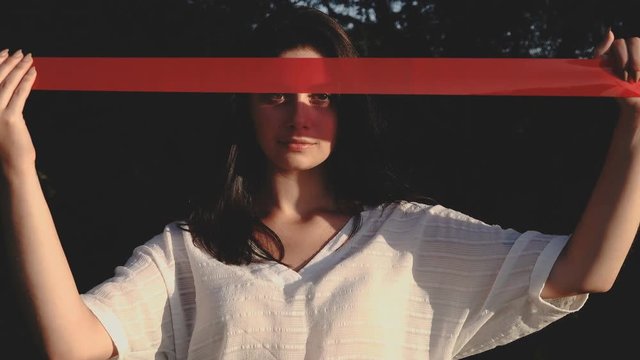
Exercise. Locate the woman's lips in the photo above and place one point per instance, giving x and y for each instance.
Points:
(297, 144)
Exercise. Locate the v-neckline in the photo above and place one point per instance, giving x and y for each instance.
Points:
(283, 274)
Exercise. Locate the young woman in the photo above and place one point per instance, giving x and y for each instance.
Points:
(309, 249)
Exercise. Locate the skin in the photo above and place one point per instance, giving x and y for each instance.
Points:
(597, 249)
(297, 133)
(295, 201)
(68, 329)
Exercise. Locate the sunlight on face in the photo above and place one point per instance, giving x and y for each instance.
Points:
(296, 132)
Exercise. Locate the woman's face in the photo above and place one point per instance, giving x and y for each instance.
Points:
(296, 132)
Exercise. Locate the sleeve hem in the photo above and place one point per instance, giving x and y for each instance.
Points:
(111, 323)
(540, 274)
(545, 311)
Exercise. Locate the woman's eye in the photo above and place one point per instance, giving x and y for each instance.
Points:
(320, 99)
(275, 98)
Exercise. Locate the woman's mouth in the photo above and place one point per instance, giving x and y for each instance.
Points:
(297, 144)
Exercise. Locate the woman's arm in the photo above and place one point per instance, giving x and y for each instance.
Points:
(603, 237)
(69, 330)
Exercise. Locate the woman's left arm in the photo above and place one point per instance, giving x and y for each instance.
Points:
(603, 237)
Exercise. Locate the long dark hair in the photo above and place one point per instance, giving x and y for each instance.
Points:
(223, 220)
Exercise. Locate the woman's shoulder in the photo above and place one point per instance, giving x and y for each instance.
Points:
(170, 231)
(431, 212)
(169, 242)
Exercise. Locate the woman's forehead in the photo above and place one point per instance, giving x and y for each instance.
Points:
(304, 51)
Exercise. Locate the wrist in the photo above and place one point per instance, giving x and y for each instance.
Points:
(630, 113)
(18, 174)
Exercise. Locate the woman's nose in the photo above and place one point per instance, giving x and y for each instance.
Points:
(300, 116)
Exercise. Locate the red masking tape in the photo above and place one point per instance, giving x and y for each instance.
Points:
(410, 76)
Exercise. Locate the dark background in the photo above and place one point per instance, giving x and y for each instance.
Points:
(116, 167)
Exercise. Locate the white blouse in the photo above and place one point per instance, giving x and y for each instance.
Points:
(414, 282)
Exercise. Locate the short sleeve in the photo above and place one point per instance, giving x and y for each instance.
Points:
(483, 281)
(134, 306)
(513, 307)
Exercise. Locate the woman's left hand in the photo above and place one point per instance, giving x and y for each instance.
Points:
(625, 57)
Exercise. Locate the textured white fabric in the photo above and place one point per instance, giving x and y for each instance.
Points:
(414, 282)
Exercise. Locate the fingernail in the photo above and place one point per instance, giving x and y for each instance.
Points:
(625, 75)
(27, 58)
(4, 52)
(18, 53)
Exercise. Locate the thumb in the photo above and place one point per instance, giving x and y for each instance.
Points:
(604, 46)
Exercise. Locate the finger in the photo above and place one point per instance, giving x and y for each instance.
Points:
(4, 54)
(9, 64)
(8, 86)
(621, 57)
(602, 48)
(20, 95)
(633, 65)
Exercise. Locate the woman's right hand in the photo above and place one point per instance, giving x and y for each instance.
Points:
(17, 76)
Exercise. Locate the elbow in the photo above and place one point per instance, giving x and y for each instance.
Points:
(63, 355)
(601, 282)
(597, 286)
(570, 283)
(71, 357)
(551, 291)
(73, 354)
(583, 274)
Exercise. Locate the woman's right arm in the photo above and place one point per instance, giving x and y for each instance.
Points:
(68, 328)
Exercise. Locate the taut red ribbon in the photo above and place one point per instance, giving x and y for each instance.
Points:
(411, 76)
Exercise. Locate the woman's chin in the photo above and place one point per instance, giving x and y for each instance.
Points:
(297, 166)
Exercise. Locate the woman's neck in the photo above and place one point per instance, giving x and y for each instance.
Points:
(296, 194)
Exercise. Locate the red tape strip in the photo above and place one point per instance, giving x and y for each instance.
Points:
(411, 76)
